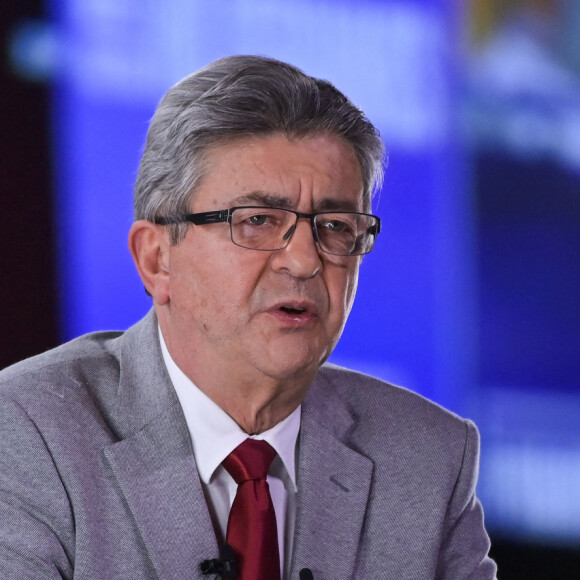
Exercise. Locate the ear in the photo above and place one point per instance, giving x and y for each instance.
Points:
(149, 245)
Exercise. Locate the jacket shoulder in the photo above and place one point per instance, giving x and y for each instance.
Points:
(368, 390)
(381, 408)
(79, 361)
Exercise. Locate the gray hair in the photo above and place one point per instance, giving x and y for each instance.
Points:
(236, 97)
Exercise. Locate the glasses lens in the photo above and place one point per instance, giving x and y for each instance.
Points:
(266, 228)
(346, 234)
(261, 228)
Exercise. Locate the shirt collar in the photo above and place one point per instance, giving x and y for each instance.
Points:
(214, 434)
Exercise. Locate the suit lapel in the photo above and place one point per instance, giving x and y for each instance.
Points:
(333, 489)
(153, 461)
(158, 478)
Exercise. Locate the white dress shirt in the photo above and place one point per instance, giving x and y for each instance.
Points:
(214, 435)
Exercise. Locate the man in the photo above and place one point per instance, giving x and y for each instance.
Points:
(121, 451)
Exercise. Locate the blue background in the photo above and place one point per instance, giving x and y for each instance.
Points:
(470, 297)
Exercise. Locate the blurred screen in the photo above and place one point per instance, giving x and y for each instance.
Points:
(471, 296)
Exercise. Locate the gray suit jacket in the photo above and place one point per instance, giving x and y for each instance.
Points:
(98, 478)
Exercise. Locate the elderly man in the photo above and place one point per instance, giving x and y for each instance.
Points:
(211, 439)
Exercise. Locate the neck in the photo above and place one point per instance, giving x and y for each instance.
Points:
(255, 401)
(255, 405)
(253, 411)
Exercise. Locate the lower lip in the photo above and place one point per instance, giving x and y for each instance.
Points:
(294, 319)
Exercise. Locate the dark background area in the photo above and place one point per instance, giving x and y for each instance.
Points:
(27, 284)
(28, 301)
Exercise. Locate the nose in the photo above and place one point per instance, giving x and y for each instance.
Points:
(300, 258)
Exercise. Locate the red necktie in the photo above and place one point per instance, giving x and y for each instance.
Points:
(252, 531)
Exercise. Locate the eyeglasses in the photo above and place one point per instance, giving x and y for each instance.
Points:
(268, 229)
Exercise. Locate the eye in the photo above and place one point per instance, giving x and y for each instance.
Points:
(255, 217)
(336, 226)
(259, 219)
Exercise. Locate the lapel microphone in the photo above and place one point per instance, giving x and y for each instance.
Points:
(225, 566)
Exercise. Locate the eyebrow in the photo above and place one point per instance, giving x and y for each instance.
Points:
(265, 199)
(283, 202)
(333, 204)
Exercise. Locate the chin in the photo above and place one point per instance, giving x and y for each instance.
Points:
(288, 363)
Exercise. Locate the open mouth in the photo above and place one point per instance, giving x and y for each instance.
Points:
(291, 310)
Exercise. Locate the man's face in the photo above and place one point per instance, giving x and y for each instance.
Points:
(274, 313)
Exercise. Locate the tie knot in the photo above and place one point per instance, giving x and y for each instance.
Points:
(249, 460)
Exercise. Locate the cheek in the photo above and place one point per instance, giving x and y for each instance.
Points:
(342, 287)
(189, 297)
(216, 290)
(350, 293)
